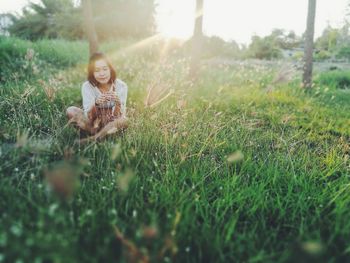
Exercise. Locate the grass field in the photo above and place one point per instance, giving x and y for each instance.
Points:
(240, 166)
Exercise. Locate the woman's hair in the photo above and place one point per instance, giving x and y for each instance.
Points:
(91, 68)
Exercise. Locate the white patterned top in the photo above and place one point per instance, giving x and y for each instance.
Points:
(90, 94)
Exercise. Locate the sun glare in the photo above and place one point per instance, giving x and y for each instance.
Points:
(175, 19)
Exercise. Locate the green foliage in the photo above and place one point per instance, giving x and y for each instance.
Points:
(322, 55)
(270, 47)
(61, 19)
(264, 48)
(48, 19)
(23, 59)
(335, 79)
(285, 40)
(328, 39)
(334, 42)
(344, 52)
(62, 53)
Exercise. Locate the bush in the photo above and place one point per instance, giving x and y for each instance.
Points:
(264, 48)
(322, 55)
(13, 58)
(23, 59)
(344, 52)
(335, 79)
(62, 53)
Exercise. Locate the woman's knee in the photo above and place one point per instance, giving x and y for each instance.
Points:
(123, 123)
(72, 111)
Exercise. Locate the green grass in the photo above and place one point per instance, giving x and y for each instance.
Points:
(287, 200)
(335, 79)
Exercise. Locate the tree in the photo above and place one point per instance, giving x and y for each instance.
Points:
(121, 18)
(90, 26)
(197, 39)
(286, 40)
(309, 43)
(264, 48)
(329, 39)
(47, 19)
(64, 19)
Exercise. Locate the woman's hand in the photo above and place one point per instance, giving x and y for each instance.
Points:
(105, 97)
(111, 96)
(101, 99)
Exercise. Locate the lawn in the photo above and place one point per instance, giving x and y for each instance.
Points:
(240, 165)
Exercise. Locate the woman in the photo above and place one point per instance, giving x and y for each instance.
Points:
(104, 100)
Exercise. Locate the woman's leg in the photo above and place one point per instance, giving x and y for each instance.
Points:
(112, 127)
(76, 116)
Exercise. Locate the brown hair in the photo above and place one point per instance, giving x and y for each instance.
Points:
(91, 68)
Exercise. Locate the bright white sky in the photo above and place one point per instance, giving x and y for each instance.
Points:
(235, 19)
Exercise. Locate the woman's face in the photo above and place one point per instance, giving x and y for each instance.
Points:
(102, 73)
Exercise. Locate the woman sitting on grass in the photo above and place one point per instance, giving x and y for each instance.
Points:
(104, 100)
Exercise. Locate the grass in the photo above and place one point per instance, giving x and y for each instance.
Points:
(236, 167)
(335, 79)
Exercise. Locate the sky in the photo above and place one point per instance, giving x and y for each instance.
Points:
(235, 19)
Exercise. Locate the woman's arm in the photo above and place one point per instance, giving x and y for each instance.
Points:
(89, 99)
(123, 94)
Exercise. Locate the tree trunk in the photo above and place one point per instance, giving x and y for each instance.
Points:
(197, 39)
(309, 45)
(90, 26)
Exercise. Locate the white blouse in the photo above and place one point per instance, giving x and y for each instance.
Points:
(90, 94)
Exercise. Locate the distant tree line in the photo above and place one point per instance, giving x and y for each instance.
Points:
(113, 19)
(62, 19)
(334, 43)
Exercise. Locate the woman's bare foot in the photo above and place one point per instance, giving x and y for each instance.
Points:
(117, 125)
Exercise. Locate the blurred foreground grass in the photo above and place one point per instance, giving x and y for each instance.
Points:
(241, 165)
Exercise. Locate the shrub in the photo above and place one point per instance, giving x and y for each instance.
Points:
(322, 55)
(335, 79)
(23, 59)
(344, 52)
(13, 58)
(61, 53)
